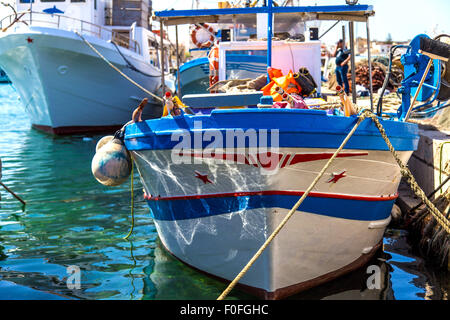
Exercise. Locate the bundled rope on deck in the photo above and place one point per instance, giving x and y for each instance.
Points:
(379, 71)
(443, 221)
(378, 75)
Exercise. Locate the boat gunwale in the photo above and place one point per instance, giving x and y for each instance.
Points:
(217, 121)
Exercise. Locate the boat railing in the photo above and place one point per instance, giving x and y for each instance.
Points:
(63, 22)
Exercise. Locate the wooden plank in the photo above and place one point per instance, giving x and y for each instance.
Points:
(344, 17)
(189, 20)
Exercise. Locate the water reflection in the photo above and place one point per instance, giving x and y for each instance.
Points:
(70, 219)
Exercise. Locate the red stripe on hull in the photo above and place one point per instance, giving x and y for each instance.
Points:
(306, 157)
(77, 129)
(274, 192)
(269, 160)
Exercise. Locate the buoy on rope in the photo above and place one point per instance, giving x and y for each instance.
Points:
(111, 165)
(102, 142)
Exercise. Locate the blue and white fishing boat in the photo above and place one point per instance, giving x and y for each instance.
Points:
(194, 76)
(219, 184)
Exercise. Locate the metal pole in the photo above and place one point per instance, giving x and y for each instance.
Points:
(12, 193)
(161, 31)
(422, 80)
(269, 37)
(329, 29)
(178, 61)
(370, 64)
(352, 58)
(343, 33)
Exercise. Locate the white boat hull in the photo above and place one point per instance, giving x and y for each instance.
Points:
(217, 226)
(66, 88)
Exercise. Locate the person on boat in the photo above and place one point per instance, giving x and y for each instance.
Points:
(342, 58)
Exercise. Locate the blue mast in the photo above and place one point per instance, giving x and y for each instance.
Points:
(269, 37)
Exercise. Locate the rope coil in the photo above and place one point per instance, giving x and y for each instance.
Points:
(132, 202)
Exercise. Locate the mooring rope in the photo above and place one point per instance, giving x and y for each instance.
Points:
(16, 18)
(289, 215)
(131, 66)
(118, 70)
(406, 173)
(442, 220)
(132, 202)
(441, 147)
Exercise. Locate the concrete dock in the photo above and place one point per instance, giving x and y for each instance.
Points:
(430, 165)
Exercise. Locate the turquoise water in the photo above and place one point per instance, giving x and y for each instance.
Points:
(70, 219)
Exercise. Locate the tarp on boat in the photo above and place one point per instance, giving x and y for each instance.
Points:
(287, 15)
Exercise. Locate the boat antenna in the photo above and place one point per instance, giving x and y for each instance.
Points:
(31, 10)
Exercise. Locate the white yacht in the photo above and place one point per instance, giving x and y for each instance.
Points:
(64, 85)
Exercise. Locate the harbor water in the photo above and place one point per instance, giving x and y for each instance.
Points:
(71, 222)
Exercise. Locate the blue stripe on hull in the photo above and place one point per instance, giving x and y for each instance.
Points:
(332, 207)
(297, 128)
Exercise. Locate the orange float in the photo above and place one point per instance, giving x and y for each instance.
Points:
(213, 58)
(203, 44)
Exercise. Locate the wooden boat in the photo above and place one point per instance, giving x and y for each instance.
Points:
(218, 184)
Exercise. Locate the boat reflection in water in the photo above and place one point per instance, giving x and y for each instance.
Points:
(64, 225)
(168, 278)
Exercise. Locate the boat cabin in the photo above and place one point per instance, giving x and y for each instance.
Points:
(262, 28)
(90, 11)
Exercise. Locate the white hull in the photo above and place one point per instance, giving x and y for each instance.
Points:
(314, 247)
(309, 248)
(65, 87)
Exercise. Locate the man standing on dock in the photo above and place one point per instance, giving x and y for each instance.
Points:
(342, 58)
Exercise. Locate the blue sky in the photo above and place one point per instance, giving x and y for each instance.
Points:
(403, 19)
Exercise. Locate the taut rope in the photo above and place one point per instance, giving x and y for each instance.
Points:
(441, 219)
(118, 70)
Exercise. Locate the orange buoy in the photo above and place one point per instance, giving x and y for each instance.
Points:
(213, 58)
(202, 36)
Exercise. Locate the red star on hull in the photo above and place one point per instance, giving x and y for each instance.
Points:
(337, 176)
(203, 177)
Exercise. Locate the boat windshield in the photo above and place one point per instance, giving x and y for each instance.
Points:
(247, 28)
